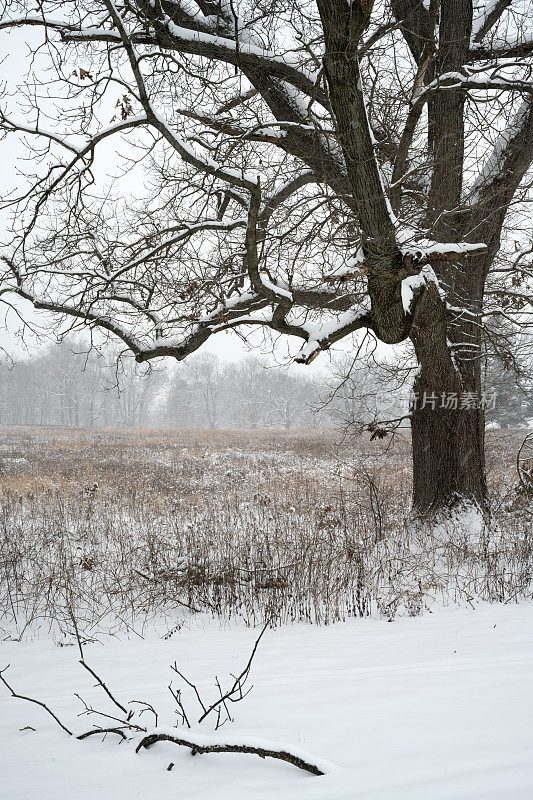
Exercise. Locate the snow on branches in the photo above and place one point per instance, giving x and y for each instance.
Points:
(261, 170)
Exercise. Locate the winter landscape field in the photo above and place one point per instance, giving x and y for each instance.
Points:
(398, 663)
(266, 399)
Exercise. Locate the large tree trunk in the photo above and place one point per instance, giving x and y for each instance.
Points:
(447, 421)
(448, 443)
(448, 458)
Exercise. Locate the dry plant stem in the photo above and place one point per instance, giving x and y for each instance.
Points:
(238, 682)
(192, 685)
(233, 695)
(176, 599)
(32, 700)
(106, 690)
(91, 671)
(100, 682)
(122, 723)
(282, 755)
(147, 707)
(176, 694)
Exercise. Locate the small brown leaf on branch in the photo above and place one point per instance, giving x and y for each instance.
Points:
(83, 74)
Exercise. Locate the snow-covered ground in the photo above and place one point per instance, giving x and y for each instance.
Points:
(423, 708)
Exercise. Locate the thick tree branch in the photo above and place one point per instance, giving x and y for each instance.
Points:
(446, 117)
(504, 170)
(343, 28)
(412, 18)
(488, 19)
(493, 52)
(198, 744)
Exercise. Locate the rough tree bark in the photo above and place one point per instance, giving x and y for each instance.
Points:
(447, 443)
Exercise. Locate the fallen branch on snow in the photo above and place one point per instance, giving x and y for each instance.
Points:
(118, 731)
(205, 745)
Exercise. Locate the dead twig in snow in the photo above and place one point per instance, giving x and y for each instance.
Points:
(89, 669)
(233, 695)
(128, 714)
(176, 694)
(118, 731)
(123, 723)
(236, 693)
(147, 707)
(32, 700)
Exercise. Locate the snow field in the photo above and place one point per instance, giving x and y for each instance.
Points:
(427, 708)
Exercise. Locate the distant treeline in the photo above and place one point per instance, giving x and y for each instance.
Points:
(67, 386)
(63, 385)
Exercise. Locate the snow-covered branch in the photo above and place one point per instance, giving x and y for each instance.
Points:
(190, 41)
(201, 743)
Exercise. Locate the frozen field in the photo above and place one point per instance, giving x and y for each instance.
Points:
(122, 526)
(126, 531)
(438, 706)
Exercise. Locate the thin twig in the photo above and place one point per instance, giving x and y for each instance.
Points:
(147, 707)
(122, 722)
(193, 686)
(32, 700)
(106, 690)
(176, 694)
(118, 731)
(238, 682)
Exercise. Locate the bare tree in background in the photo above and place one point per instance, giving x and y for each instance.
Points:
(308, 169)
(67, 385)
(206, 375)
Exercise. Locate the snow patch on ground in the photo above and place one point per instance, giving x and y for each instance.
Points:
(463, 521)
(437, 707)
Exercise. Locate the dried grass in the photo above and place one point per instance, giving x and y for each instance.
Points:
(121, 527)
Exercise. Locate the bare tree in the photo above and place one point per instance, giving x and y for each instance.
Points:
(310, 169)
(205, 373)
(65, 384)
